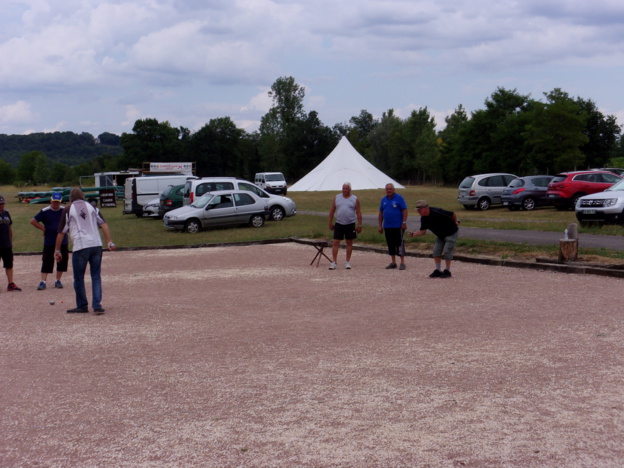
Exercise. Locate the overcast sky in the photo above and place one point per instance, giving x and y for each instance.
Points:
(97, 66)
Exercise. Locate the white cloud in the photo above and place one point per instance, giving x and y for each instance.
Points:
(18, 113)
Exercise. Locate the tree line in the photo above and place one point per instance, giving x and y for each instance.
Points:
(512, 133)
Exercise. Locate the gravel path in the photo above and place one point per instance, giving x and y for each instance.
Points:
(250, 357)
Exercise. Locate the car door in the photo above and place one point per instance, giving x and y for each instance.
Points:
(495, 186)
(220, 211)
(245, 206)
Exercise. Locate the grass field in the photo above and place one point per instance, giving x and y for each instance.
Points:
(130, 231)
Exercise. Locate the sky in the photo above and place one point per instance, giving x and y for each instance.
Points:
(97, 66)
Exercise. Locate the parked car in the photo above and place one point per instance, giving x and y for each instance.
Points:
(600, 208)
(219, 208)
(151, 208)
(483, 190)
(526, 193)
(566, 188)
(170, 199)
(279, 207)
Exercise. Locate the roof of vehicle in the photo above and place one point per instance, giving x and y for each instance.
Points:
(589, 171)
(492, 174)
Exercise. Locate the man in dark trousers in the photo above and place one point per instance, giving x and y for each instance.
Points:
(443, 224)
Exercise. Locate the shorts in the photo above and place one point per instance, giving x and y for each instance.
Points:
(393, 239)
(445, 247)
(47, 259)
(344, 231)
(6, 255)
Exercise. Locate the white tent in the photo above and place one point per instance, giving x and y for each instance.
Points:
(344, 164)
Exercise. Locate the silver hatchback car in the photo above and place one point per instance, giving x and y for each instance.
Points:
(219, 208)
(483, 190)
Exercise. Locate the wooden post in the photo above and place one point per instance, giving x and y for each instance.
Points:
(568, 248)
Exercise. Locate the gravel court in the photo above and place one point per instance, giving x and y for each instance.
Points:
(249, 356)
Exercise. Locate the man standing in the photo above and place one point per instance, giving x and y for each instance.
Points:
(392, 219)
(82, 220)
(47, 220)
(443, 224)
(6, 244)
(346, 206)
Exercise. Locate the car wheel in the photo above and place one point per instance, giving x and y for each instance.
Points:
(256, 221)
(277, 213)
(192, 226)
(575, 199)
(483, 203)
(528, 204)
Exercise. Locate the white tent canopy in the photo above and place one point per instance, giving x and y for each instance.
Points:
(344, 164)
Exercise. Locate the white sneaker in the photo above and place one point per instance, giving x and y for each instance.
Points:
(347, 265)
(332, 266)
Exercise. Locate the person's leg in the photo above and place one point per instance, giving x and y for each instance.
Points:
(449, 249)
(47, 262)
(349, 249)
(79, 266)
(95, 266)
(335, 246)
(9, 273)
(391, 236)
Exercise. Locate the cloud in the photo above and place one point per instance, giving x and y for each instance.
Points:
(17, 113)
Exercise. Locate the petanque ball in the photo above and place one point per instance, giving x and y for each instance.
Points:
(52, 302)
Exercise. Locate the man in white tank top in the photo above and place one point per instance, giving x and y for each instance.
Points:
(346, 207)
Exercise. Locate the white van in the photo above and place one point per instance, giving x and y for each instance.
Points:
(272, 182)
(138, 191)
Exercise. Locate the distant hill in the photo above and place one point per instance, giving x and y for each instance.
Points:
(65, 147)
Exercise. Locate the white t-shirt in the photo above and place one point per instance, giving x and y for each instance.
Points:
(82, 221)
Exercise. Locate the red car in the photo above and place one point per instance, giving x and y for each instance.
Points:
(566, 188)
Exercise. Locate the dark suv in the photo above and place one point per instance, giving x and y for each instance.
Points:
(170, 199)
(527, 193)
(566, 188)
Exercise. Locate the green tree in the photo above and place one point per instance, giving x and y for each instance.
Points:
(215, 148)
(153, 141)
(602, 133)
(420, 159)
(7, 173)
(382, 139)
(32, 168)
(449, 143)
(556, 133)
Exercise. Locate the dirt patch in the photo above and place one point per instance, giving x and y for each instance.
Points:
(249, 356)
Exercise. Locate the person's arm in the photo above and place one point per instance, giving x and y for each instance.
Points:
(358, 213)
(404, 225)
(57, 247)
(418, 233)
(107, 237)
(455, 220)
(331, 215)
(380, 220)
(11, 234)
(37, 225)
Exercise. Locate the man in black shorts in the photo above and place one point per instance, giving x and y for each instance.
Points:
(346, 207)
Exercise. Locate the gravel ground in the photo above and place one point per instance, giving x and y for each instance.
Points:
(248, 356)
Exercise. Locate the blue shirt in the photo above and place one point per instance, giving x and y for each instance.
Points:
(392, 209)
(50, 219)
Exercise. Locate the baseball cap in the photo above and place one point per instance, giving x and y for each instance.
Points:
(2, 199)
(57, 196)
(421, 204)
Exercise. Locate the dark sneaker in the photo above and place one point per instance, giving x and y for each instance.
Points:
(402, 266)
(13, 287)
(392, 266)
(58, 284)
(78, 310)
(98, 311)
(41, 286)
(446, 274)
(436, 274)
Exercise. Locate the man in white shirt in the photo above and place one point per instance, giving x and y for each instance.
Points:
(83, 222)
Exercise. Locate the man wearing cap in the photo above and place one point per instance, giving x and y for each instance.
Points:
(47, 220)
(443, 224)
(6, 244)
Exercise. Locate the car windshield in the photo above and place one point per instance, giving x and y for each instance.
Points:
(202, 201)
(274, 177)
(516, 183)
(618, 186)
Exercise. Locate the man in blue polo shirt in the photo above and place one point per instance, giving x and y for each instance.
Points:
(47, 220)
(392, 219)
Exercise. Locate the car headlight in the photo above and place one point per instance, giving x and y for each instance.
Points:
(610, 202)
